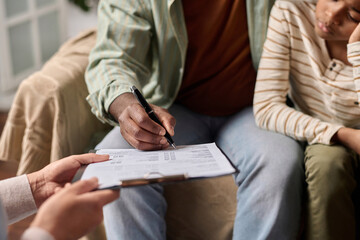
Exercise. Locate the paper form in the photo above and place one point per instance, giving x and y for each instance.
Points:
(202, 160)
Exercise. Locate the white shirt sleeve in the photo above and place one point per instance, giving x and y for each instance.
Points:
(3, 222)
(17, 198)
(35, 233)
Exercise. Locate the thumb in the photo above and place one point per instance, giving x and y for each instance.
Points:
(102, 197)
(83, 186)
(89, 158)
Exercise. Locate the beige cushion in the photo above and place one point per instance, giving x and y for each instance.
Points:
(50, 118)
(201, 209)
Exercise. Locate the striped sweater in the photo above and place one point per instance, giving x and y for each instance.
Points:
(296, 62)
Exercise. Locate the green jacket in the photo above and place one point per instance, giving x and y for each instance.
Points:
(143, 43)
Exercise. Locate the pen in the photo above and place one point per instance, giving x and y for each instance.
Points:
(151, 113)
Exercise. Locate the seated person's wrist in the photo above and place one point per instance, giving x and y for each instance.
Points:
(343, 136)
(120, 103)
(335, 138)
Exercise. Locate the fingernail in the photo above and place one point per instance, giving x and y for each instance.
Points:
(163, 141)
(162, 132)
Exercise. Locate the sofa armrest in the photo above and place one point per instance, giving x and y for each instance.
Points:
(50, 118)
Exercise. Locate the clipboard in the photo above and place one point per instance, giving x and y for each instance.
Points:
(136, 181)
(152, 177)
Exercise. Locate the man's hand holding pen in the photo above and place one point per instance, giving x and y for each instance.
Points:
(137, 128)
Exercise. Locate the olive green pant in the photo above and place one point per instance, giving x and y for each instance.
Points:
(331, 177)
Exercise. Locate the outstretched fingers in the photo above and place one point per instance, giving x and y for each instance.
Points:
(91, 158)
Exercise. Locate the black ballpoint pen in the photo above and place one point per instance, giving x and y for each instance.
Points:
(151, 113)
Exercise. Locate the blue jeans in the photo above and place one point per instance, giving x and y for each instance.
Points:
(270, 181)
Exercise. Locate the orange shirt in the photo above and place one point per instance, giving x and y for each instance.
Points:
(219, 77)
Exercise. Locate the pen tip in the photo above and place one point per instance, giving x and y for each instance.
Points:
(173, 145)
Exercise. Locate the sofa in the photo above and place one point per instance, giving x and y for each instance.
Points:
(50, 119)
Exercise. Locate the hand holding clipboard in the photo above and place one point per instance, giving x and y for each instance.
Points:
(132, 167)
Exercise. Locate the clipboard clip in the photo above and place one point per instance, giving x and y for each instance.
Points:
(151, 178)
